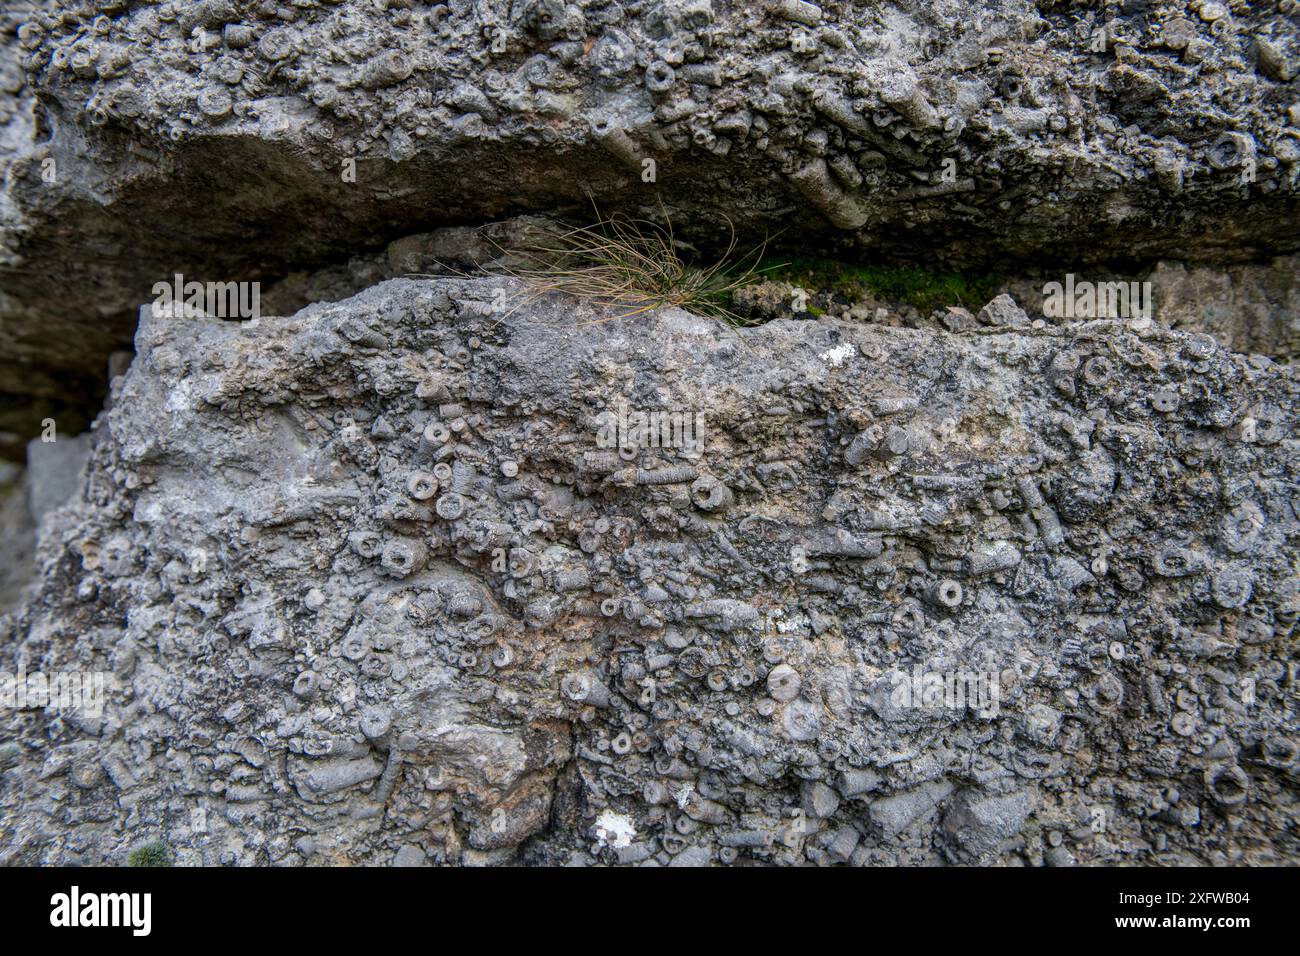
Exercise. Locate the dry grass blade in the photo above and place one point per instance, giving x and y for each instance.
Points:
(634, 266)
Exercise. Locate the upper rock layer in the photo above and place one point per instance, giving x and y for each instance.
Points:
(231, 140)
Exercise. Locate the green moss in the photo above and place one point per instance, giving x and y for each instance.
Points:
(155, 853)
(923, 288)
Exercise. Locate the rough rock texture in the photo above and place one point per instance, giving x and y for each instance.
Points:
(1249, 308)
(372, 589)
(53, 477)
(228, 139)
(18, 532)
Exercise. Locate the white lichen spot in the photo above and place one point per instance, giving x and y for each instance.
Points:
(792, 625)
(614, 829)
(180, 397)
(838, 355)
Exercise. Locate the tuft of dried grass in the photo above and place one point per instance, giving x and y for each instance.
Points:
(635, 266)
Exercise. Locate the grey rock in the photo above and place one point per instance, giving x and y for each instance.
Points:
(892, 815)
(1003, 311)
(54, 472)
(572, 647)
(976, 825)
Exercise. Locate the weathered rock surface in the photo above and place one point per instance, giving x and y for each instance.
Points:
(237, 141)
(371, 589)
(18, 531)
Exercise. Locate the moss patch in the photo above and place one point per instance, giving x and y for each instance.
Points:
(925, 289)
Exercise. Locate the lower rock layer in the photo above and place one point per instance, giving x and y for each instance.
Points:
(448, 572)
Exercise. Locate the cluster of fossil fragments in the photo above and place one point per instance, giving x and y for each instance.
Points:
(449, 572)
(831, 94)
